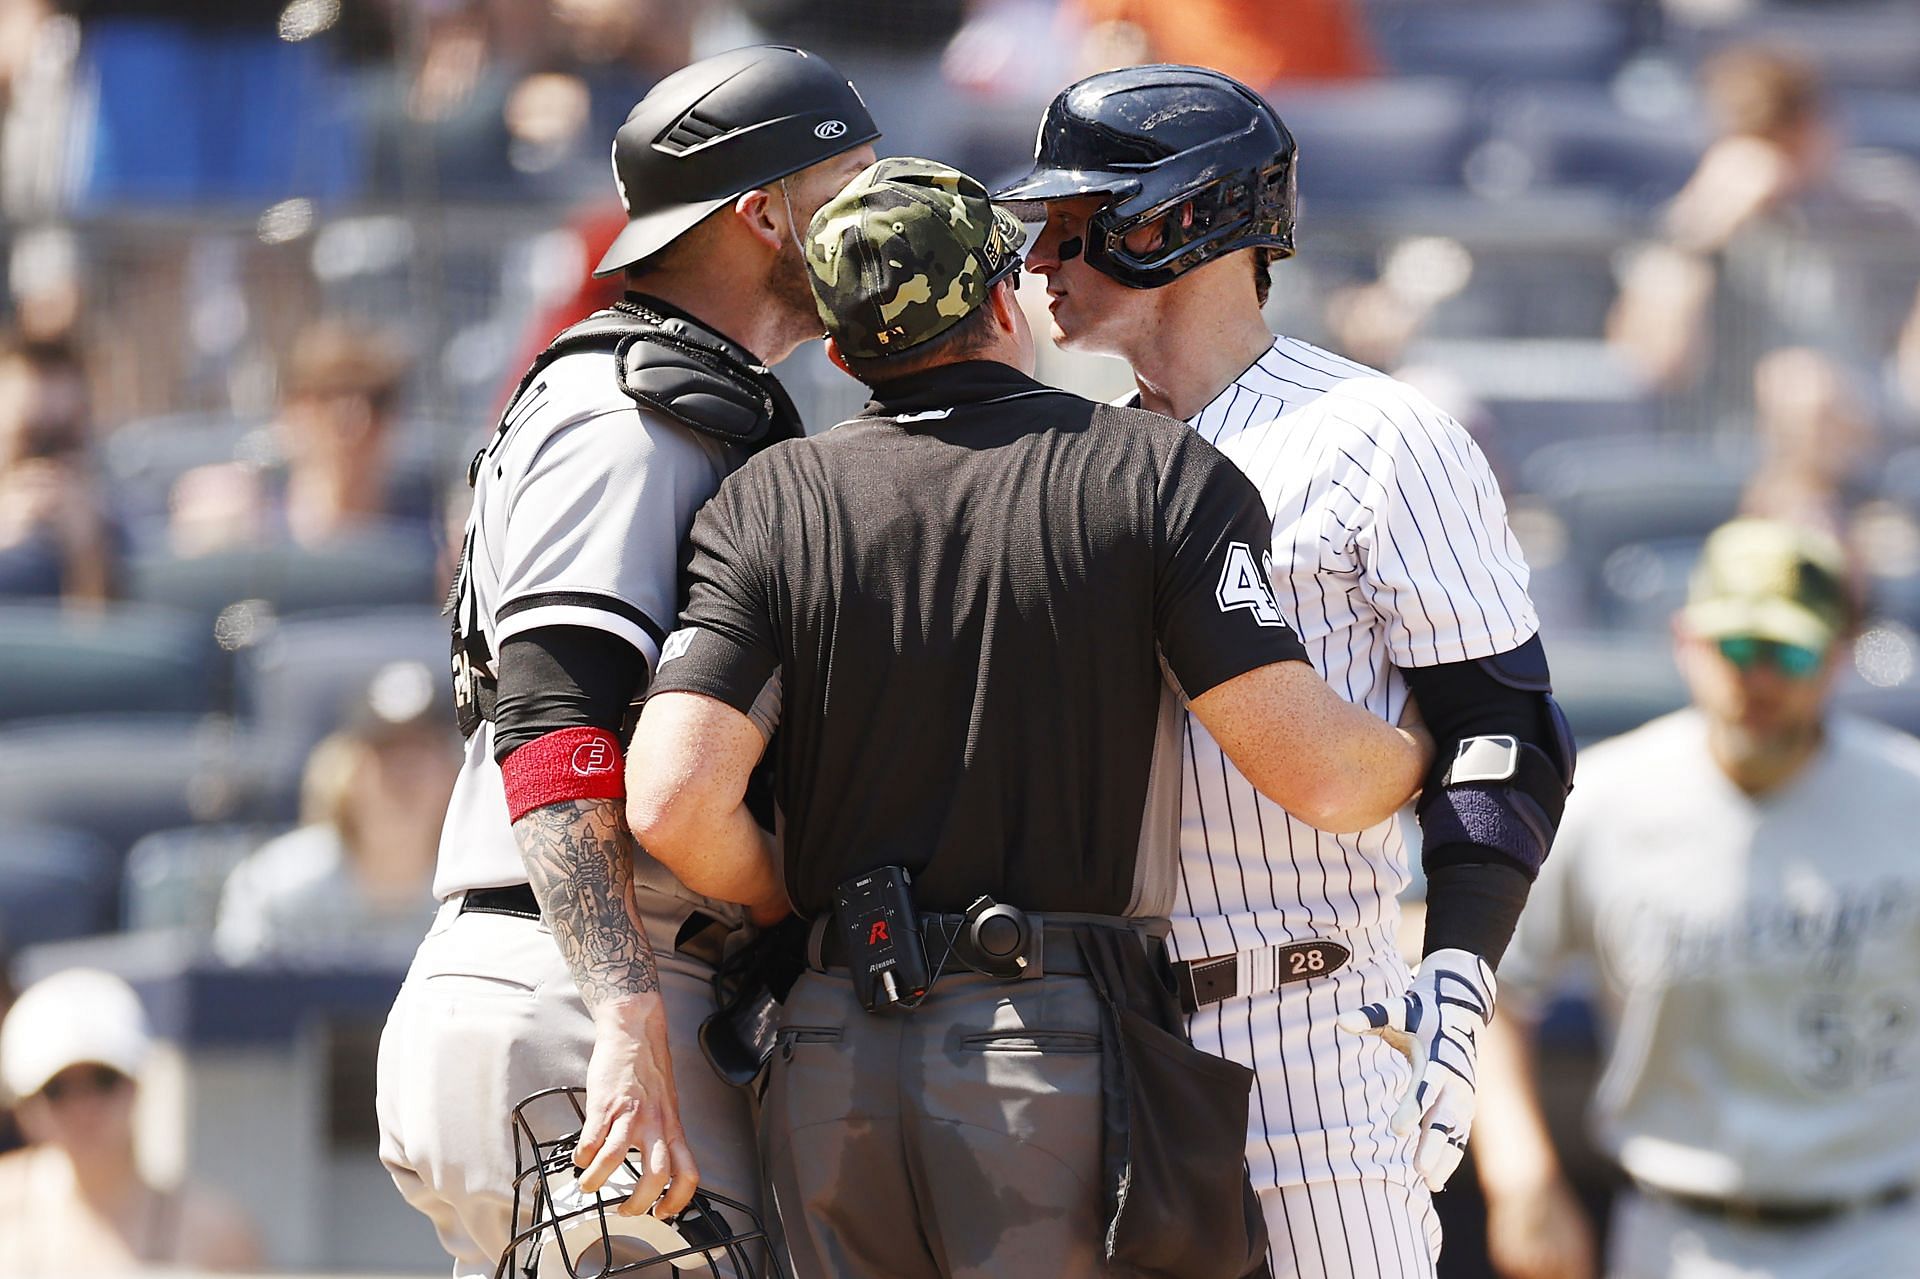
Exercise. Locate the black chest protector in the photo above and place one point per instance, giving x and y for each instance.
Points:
(668, 364)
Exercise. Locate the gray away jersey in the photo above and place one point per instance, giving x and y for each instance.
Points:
(579, 510)
(1757, 961)
(1390, 549)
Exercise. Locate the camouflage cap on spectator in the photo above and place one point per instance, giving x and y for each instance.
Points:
(906, 252)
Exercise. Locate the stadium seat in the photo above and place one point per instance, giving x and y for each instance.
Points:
(143, 458)
(1854, 43)
(120, 777)
(174, 878)
(1484, 40)
(1577, 135)
(298, 679)
(1364, 142)
(1608, 684)
(56, 661)
(56, 883)
(364, 571)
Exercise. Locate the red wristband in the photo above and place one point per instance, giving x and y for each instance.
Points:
(572, 763)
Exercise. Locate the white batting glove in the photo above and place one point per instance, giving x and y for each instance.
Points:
(1436, 1025)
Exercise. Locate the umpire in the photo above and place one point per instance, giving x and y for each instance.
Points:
(973, 612)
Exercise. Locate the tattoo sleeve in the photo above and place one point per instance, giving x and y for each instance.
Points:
(579, 859)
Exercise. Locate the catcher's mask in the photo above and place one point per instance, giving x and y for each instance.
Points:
(565, 1233)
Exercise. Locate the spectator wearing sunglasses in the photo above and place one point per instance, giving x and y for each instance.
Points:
(1741, 877)
(75, 1201)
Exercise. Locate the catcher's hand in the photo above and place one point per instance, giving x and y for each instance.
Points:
(1437, 1025)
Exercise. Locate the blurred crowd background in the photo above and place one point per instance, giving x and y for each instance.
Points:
(269, 272)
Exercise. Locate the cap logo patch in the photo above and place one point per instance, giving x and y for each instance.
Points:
(827, 130)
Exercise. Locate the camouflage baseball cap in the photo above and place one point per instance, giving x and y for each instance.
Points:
(906, 252)
(1773, 581)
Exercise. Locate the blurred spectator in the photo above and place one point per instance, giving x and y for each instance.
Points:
(75, 1201)
(38, 49)
(1739, 878)
(436, 125)
(356, 879)
(1749, 258)
(55, 537)
(593, 230)
(1816, 437)
(1247, 39)
(1906, 362)
(334, 435)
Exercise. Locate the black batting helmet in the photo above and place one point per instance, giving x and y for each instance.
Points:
(722, 126)
(562, 1232)
(1166, 140)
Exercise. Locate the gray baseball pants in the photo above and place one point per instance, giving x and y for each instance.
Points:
(489, 1014)
(960, 1140)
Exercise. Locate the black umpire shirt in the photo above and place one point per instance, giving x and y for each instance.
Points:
(956, 605)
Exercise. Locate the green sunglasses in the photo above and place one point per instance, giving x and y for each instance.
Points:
(1795, 661)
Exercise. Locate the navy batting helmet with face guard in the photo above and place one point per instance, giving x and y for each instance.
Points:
(1189, 149)
(563, 1232)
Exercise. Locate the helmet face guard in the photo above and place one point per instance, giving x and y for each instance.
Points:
(1240, 210)
(563, 1233)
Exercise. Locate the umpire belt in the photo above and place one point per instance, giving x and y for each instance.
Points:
(1200, 982)
(1058, 953)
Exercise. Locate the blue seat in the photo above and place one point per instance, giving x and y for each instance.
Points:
(1577, 135)
(368, 570)
(1367, 141)
(1483, 40)
(174, 878)
(298, 680)
(120, 777)
(1609, 684)
(56, 661)
(56, 883)
(1854, 43)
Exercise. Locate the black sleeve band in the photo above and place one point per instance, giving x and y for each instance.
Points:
(1509, 822)
(1474, 907)
(556, 677)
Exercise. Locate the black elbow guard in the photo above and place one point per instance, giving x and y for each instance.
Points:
(1505, 760)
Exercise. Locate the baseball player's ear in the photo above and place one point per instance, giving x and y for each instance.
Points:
(755, 210)
(839, 360)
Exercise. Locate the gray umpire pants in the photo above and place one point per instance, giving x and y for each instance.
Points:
(489, 1014)
(962, 1139)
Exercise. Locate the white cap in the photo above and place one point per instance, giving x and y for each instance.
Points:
(75, 1016)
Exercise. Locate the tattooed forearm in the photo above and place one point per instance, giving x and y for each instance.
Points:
(580, 862)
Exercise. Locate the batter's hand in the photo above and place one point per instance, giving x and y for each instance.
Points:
(1437, 1026)
(631, 1105)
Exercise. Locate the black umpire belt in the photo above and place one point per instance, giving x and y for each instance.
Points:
(1200, 982)
(1058, 952)
(1781, 1213)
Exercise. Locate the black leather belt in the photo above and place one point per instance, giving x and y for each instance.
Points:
(517, 901)
(1201, 982)
(1782, 1213)
(1059, 953)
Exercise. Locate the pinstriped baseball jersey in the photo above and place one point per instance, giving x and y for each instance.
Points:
(579, 508)
(1390, 549)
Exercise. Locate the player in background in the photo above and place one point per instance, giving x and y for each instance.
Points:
(1739, 877)
(562, 955)
(1167, 192)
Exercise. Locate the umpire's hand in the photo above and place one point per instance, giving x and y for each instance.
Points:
(631, 1105)
(1437, 1025)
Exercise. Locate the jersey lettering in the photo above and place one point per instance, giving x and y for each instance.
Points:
(1244, 584)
